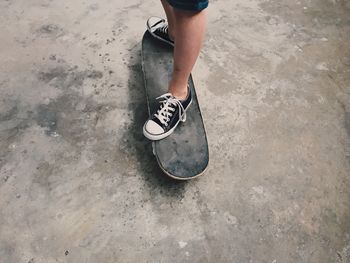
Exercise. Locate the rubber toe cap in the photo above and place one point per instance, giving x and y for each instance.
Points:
(153, 128)
(152, 21)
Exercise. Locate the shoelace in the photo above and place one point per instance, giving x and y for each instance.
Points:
(164, 29)
(168, 107)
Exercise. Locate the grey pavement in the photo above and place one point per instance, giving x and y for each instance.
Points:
(78, 182)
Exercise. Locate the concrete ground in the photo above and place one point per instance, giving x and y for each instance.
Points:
(78, 182)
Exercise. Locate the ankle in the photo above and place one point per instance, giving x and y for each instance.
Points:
(180, 94)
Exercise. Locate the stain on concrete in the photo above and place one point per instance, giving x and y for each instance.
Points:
(50, 30)
(65, 77)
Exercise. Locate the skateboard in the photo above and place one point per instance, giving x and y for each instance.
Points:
(184, 154)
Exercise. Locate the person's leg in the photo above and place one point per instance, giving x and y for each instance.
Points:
(188, 27)
(169, 12)
(189, 33)
(187, 22)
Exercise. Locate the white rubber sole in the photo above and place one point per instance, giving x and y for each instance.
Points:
(161, 39)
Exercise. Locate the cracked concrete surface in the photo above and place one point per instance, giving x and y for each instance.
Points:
(78, 182)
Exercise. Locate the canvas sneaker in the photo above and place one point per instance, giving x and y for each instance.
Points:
(158, 28)
(169, 114)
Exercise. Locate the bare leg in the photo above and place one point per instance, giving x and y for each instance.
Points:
(188, 28)
(189, 34)
(169, 11)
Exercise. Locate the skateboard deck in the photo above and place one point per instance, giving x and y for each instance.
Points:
(184, 154)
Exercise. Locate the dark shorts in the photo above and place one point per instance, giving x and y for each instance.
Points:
(190, 5)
